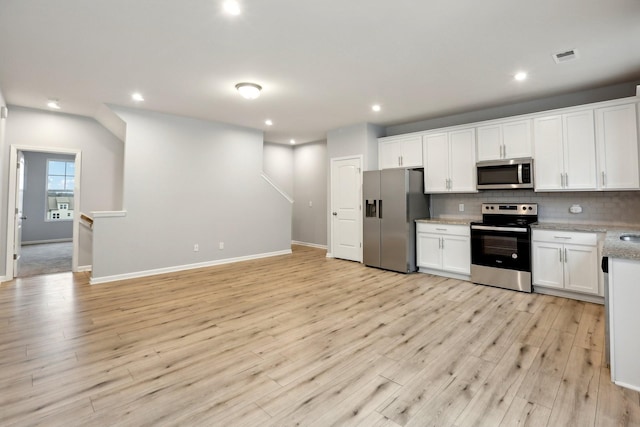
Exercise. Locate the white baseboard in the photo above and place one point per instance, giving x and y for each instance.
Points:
(329, 255)
(40, 242)
(82, 268)
(4, 279)
(568, 294)
(138, 274)
(311, 245)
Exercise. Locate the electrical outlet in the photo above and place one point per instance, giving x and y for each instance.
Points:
(461, 207)
(196, 248)
(221, 246)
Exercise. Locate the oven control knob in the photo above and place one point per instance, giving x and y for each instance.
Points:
(514, 256)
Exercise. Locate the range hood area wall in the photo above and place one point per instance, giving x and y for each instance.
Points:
(619, 208)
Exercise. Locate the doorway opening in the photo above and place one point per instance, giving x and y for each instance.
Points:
(44, 204)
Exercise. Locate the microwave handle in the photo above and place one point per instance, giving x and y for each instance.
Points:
(520, 174)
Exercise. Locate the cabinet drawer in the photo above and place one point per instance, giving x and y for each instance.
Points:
(572, 237)
(457, 230)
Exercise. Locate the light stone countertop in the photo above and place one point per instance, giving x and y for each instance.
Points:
(616, 248)
(594, 228)
(449, 221)
(613, 246)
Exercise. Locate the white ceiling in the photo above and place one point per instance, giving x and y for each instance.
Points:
(322, 63)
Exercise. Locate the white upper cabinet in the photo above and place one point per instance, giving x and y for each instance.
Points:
(449, 162)
(565, 152)
(617, 142)
(505, 140)
(400, 152)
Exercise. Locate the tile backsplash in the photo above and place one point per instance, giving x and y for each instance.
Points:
(602, 207)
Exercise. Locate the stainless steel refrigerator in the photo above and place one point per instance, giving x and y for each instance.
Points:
(393, 200)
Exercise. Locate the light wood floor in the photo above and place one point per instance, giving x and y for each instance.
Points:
(300, 340)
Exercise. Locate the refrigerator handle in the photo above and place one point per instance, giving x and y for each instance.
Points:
(380, 208)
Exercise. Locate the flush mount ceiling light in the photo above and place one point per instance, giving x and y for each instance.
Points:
(54, 104)
(137, 97)
(249, 90)
(520, 76)
(292, 141)
(268, 122)
(232, 7)
(376, 107)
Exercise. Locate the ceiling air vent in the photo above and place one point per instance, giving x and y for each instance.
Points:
(568, 55)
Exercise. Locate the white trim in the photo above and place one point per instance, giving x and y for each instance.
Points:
(138, 274)
(629, 386)
(537, 289)
(5, 279)
(278, 189)
(40, 242)
(11, 205)
(443, 273)
(108, 214)
(311, 245)
(330, 255)
(82, 268)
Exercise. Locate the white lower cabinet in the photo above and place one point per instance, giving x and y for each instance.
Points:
(444, 249)
(566, 261)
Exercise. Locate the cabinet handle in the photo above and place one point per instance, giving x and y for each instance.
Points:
(565, 255)
(560, 253)
(401, 160)
(441, 229)
(442, 240)
(604, 179)
(501, 152)
(504, 151)
(562, 180)
(562, 237)
(566, 180)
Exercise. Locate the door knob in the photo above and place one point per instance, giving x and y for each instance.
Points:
(23, 217)
(335, 214)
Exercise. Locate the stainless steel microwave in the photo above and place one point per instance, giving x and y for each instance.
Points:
(505, 174)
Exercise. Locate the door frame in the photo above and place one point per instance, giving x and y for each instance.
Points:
(11, 216)
(360, 158)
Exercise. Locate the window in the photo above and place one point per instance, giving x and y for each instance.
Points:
(60, 185)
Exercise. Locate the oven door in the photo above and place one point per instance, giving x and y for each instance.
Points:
(501, 247)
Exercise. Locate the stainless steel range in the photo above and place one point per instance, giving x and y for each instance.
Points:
(501, 245)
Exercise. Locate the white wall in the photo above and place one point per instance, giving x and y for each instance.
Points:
(102, 158)
(310, 186)
(4, 182)
(278, 165)
(189, 181)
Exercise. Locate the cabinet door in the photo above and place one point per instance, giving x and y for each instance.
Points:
(462, 161)
(617, 140)
(456, 254)
(579, 151)
(436, 163)
(547, 264)
(489, 142)
(516, 139)
(412, 152)
(581, 268)
(389, 153)
(428, 252)
(548, 163)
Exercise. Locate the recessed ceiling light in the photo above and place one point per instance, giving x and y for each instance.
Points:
(268, 122)
(292, 141)
(376, 107)
(137, 97)
(232, 7)
(249, 90)
(520, 76)
(54, 104)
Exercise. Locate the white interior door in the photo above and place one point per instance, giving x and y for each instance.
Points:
(346, 216)
(17, 236)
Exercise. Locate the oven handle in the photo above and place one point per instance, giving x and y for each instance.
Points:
(486, 227)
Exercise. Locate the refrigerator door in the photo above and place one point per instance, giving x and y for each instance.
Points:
(371, 220)
(394, 220)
